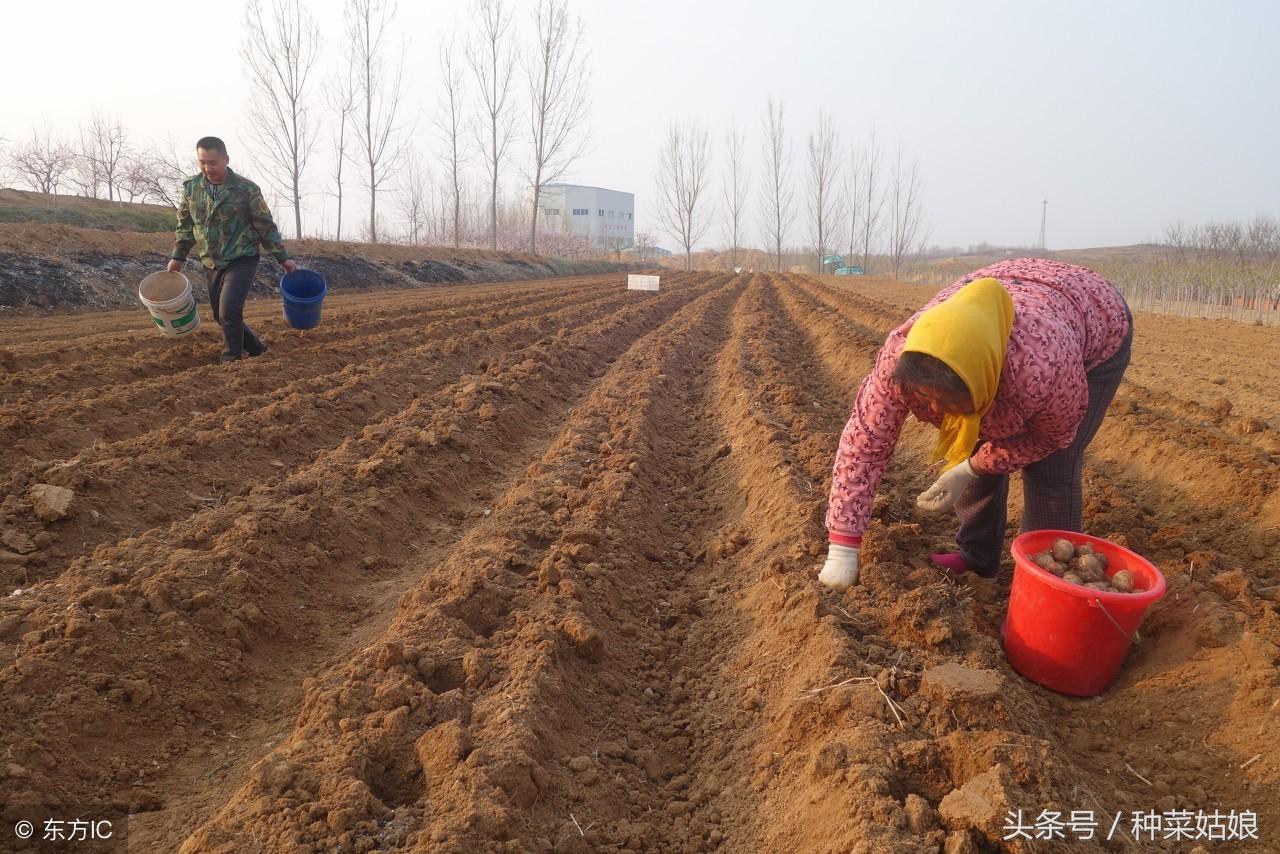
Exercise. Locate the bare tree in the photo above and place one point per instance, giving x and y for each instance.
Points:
(558, 102)
(97, 159)
(823, 177)
(644, 245)
(449, 122)
(852, 198)
(1177, 238)
(905, 214)
(735, 191)
(43, 162)
(132, 179)
(492, 57)
(415, 198)
(110, 146)
(157, 174)
(378, 97)
(872, 203)
(775, 192)
(682, 178)
(84, 173)
(342, 100)
(6, 175)
(279, 56)
(441, 211)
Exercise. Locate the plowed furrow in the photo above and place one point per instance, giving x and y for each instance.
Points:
(865, 331)
(537, 572)
(246, 590)
(164, 474)
(233, 411)
(102, 332)
(874, 311)
(80, 375)
(544, 565)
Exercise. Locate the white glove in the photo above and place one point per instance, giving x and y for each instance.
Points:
(946, 490)
(840, 572)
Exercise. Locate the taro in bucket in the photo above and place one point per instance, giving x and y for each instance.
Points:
(1072, 634)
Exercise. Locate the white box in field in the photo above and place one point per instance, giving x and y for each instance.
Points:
(641, 283)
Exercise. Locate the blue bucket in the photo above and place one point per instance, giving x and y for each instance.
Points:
(303, 293)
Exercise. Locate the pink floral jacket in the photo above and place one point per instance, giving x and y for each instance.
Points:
(1066, 321)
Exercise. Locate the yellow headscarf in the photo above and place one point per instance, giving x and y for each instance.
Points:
(968, 332)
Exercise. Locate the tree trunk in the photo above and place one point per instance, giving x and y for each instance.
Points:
(493, 205)
(297, 170)
(373, 206)
(457, 211)
(493, 201)
(297, 208)
(533, 220)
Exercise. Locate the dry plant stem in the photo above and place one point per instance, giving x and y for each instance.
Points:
(1263, 725)
(1251, 761)
(1136, 774)
(581, 830)
(893, 707)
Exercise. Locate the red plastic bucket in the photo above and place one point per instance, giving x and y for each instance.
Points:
(1070, 638)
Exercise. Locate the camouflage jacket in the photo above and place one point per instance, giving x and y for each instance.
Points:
(228, 227)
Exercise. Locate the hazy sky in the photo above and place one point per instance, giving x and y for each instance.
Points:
(1126, 116)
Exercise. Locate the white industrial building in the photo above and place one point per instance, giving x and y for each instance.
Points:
(606, 216)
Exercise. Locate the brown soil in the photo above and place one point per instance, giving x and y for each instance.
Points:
(532, 567)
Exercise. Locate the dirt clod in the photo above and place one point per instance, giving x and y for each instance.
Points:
(50, 502)
(981, 804)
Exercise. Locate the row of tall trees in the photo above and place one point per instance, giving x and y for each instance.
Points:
(1226, 269)
(501, 83)
(478, 112)
(880, 214)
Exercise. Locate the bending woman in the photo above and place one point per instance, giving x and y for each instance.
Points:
(1015, 364)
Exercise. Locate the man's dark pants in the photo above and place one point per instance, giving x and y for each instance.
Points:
(228, 289)
(1052, 493)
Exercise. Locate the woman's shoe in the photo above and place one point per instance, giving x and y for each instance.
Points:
(954, 563)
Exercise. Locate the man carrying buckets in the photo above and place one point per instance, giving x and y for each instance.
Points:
(224, 216)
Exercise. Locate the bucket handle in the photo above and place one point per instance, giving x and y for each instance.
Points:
(1134, 638)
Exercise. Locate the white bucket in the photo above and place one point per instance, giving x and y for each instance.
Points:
(169, 299)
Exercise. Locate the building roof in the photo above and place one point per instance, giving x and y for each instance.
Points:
(584, 187)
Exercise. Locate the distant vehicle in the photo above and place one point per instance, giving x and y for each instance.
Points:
(848, 271)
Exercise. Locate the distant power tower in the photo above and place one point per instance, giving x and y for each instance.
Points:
(1044, 211)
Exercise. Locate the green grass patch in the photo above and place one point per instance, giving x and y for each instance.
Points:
(122, 219)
